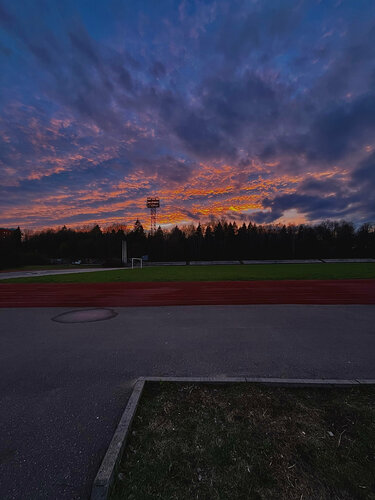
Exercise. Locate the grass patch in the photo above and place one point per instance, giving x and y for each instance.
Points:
(214, 273)
(243, 441)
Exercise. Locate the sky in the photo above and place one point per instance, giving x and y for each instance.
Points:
(245, 110)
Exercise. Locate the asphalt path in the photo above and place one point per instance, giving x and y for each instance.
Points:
(64, 386)
(4, 275)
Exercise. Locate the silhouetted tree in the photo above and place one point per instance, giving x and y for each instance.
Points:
(137, 241)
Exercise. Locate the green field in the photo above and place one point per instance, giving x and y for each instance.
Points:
(214, 273)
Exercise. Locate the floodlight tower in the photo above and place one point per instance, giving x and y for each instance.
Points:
(153, 204)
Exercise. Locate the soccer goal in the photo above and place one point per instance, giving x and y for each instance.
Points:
(134, 262)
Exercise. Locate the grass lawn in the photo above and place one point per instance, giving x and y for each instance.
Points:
(214, 273)
(243, 441)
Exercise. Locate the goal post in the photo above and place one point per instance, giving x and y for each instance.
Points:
(137, 259)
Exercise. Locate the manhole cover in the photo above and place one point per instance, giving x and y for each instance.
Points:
(85, 316)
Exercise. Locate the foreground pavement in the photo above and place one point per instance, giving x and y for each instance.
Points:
(64, 386)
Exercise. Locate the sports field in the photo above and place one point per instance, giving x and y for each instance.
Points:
(252, 272)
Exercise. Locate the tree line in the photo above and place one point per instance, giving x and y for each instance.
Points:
(221, 240)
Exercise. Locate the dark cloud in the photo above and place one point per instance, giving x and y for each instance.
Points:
(329, 198)
(82, 42)
(7, 21)
(320, 187)
(264, 217)
(202, 137)
(158, 69)
(316, 207)
(344, 128)
(168, 168)
(332, 135)
(188, 213)
(235, 105)
(364, 175)
(242, 33)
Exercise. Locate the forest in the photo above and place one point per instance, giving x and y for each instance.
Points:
(221, 240)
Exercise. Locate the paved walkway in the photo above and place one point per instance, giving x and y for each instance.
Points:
(53, 272)
(64, 386)
(187, 293)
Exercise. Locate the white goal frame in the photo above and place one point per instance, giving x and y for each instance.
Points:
(139, 259)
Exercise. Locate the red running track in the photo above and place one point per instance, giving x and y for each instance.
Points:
(187, 293)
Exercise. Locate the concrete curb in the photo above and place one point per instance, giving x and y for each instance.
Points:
(302, 382)
(106, 474)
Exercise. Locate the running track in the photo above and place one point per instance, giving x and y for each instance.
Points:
(126, 294)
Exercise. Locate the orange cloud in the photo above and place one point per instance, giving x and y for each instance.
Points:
(213, 190)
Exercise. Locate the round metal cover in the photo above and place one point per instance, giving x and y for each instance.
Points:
(85, 316)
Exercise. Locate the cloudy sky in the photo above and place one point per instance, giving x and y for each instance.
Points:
(250, 110)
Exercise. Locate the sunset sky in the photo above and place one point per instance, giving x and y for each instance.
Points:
(249, 110)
